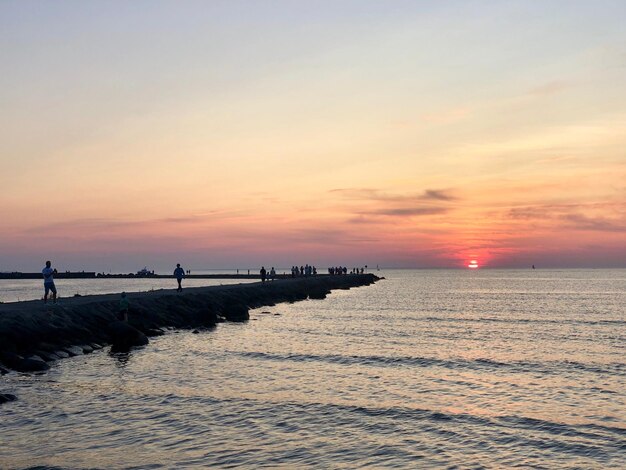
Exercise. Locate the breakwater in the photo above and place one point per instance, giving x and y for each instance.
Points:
(33, 333)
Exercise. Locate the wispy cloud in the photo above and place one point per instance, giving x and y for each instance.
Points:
(597, 224)
(369, 194)
(573, 216)
(409, 211)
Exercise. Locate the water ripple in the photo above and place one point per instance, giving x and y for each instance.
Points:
(548, 367)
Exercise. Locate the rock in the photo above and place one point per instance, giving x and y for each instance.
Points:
(154, 332)
(47, 356)
(74, 350)
(124, 336)
(236, 312)
(86, 348)
(35, 357)
(62, 354)
(95, 346)
(30, 365)
(195, 332)
(3, 371)
(5, 397)
(319, 293)
(10, 359)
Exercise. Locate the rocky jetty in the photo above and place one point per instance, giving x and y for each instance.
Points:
(33, 334)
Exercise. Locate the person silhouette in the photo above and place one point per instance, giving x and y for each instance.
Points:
(48, 282)
(180, 274)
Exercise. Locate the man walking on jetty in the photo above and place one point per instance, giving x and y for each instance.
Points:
(180, 274)
(48, 282)
(263, 273)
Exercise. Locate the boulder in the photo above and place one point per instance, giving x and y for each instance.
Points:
(154, 332)
(319, 293)
(3, 371)
(207, 316)
(62, 354)
(236, 312)
(86, 348)
(124, 336)
(10, 359)
(30, 365)
(35, 357)
(74, 350)
(47, 356)
(5, 397)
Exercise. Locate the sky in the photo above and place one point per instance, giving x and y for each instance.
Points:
(230, 134)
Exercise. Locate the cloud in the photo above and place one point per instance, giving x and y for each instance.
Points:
(438, 195)
(375, 206)
(597, 224)
(369, 194)
(574, 217)
(409, 211)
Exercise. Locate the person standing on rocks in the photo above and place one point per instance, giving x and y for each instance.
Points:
(48, 282)
(180, 274)
(263, 273)
(124, 306)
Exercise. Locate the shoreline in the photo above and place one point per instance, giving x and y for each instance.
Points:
(33, 333)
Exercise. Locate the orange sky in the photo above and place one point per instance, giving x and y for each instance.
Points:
(233, 134)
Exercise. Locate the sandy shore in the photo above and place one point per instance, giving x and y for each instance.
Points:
(33, 333)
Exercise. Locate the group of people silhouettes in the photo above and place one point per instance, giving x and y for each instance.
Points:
(305, 270)
(271, 275)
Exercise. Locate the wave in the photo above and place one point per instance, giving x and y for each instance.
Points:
(547, 368)
(523, 320)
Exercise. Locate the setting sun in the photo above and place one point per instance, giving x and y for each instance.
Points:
(473, 264)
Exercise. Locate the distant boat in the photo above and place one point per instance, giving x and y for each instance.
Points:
(145, 272)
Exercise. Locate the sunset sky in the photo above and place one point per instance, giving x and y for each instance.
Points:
(232, 133)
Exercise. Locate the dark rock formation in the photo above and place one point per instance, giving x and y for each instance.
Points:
(124, 336)
(74, 350)
(236, 311)
(80, 323)
(5, 397)
(21, 364)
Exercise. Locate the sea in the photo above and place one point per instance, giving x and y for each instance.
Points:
(451, 369)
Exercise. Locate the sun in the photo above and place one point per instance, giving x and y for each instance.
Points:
(473, 264)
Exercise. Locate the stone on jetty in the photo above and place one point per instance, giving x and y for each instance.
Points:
(124, 336)
(236, 312)
(5, 397)
(21, 364)
(74, 350)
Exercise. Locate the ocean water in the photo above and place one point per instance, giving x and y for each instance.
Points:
(427, 368)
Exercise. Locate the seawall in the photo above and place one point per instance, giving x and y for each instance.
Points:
(33, 333)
